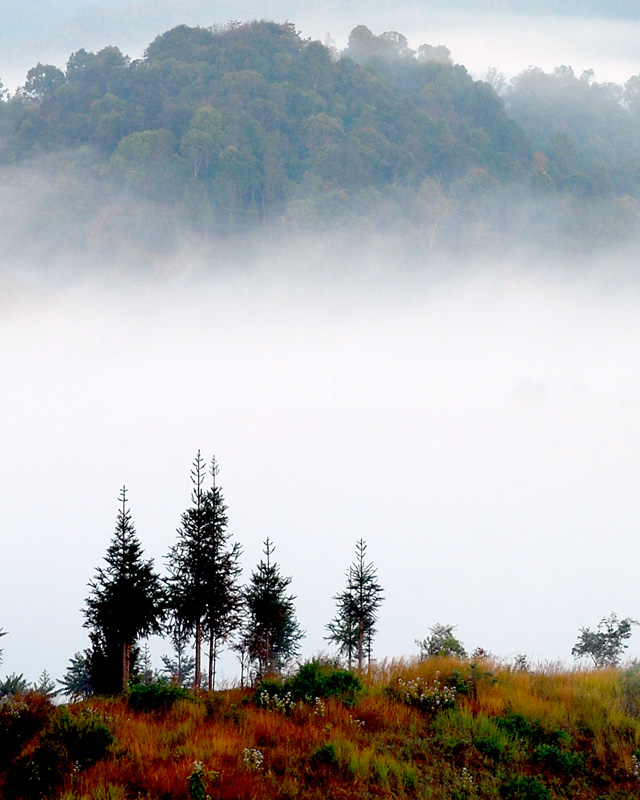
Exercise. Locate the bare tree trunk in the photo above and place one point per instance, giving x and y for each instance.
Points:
(126, 665)
(213, 657)
(198, 674)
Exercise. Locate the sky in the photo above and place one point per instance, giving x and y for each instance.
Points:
(477, 426)
(506, 34)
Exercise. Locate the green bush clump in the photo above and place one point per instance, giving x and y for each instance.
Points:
(554, 759)
(325, 756)
(158, 696)
(314, 681)
(524, 787)
(320, 679)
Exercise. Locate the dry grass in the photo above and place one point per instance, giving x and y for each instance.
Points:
(567, 730)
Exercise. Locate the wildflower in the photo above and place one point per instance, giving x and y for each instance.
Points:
(252, 759)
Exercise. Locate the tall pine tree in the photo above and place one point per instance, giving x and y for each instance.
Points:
(204, 593)
(126, 602)
(223, 593)
(353, 627)
(272, 634)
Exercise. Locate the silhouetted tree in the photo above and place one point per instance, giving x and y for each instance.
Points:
(272, 634)
(2, 633)
(204, 571)
(76, 684)
(353, 627)
(126, 602)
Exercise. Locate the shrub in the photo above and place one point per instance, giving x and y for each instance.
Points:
(325, 756)
(21, 718)
(313, 681)
(321, 679)
(518, 726)
(418, 693)
(158, 696)
(559, 761)
(69, 743)
(524, 787)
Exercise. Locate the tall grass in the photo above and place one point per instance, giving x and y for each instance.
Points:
(548, 732)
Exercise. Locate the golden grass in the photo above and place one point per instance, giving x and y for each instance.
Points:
(381, 747)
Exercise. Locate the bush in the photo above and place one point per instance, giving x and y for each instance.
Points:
(314, 680)
(428, 697)
(525, 788)
(21, 718)
(325, 756)
(158, 696)
(554, 759)
(321, 679)
(67, 743)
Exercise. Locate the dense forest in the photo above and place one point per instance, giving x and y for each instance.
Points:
(246, 127)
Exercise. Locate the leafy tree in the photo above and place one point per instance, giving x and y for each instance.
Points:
(441, 642)
(606, 645)
(126, 602)
(353, 627)
(272, 634)
(204, 571)
(42, 81)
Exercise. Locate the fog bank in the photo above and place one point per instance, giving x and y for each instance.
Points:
(479, 431)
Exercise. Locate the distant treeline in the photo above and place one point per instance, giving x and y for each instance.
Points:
(221, 130)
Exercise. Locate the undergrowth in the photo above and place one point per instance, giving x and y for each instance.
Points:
(439, 728)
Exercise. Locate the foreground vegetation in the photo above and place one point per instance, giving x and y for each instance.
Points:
(432, 728)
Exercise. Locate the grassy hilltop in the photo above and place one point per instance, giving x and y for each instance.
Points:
(437, 728)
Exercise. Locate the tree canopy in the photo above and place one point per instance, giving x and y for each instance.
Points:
(248, 125)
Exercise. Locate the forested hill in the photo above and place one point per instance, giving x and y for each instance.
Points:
(248, 126)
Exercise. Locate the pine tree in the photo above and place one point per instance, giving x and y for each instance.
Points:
(272, 634)
(180, 669)
(187, 565)
(223, 592)
(204, 571)
(76, 684)
(353, 627)
(126, 603)
(2, 633)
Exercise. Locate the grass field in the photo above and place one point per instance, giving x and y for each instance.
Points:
(438, 728)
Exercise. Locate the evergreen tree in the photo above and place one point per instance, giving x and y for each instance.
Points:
(272, 634)
(76, 684)
(223, 592)
(180, 669)
(204, 570)
(187, 566)
(126, 602)
(2, 633)
(353, 627)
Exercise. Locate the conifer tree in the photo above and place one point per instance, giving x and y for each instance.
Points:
(2, 633)
(126, 602)
(204, 570)
(223, 592)
(353, 627)
(272, 634)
